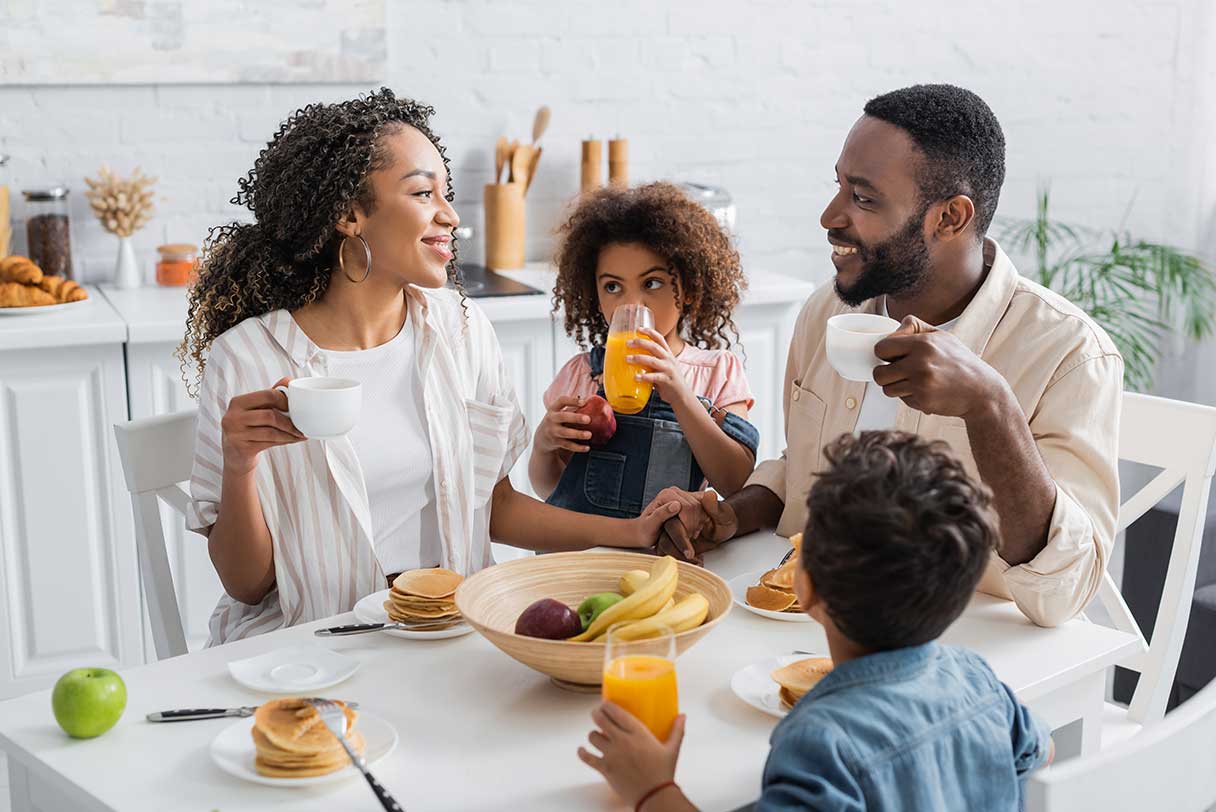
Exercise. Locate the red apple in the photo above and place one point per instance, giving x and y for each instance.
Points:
(603, 420)
(549, 619)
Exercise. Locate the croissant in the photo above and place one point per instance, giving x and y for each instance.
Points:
(15, 294)
(19, 269)
(64, 290)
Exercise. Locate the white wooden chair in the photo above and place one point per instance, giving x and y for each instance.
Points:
(1167, 766)
(157, 454)
(1180, 439)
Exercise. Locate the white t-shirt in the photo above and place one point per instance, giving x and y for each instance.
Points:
(877, 410)
(394, 451)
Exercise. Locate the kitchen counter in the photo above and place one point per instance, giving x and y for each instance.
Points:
(94, 321)
(157, 314)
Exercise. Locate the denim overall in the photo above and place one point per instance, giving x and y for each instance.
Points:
(647, 454)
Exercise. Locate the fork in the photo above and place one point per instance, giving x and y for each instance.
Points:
(334, 718)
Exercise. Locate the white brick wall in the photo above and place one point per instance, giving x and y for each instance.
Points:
(1104, 98)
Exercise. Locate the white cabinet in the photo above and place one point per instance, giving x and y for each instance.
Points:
(69, 589)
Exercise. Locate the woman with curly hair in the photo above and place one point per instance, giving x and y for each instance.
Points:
(655, 246)
(341, 274)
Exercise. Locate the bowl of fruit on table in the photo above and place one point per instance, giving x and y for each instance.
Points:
(551, 612)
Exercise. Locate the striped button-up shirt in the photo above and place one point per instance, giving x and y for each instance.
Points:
(313, 495)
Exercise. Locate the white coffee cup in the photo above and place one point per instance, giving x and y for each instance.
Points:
(323, 408)
(851, 339)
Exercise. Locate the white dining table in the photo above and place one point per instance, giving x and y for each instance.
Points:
(479, 730)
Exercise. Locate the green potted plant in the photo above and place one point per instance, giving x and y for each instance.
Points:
(1139, 291)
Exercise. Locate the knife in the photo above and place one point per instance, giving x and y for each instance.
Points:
(190, 714)
(364, 628)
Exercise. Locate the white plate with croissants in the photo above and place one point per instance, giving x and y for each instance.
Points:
(25, 290)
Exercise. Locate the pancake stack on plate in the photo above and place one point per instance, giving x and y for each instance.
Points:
(799, 677)
(424, 596)
(775, 592)
(292, 741)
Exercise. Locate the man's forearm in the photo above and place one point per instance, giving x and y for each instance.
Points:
(1024, 492)
(756, 508)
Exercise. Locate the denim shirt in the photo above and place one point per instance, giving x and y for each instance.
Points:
(923, 728)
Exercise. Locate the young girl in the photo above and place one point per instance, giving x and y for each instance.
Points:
(649, 245)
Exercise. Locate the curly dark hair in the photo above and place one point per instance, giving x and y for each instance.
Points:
(897, 538)
(668, 222)
(310, 175)
(961, 139)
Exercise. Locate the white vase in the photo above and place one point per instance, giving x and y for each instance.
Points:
(126, 272)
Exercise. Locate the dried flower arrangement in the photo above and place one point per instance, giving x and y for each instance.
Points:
(123, 205)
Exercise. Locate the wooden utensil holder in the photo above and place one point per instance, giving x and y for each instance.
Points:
(505, 225)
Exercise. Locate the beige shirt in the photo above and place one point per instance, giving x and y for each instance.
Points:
(1066, 374)
(313, 494)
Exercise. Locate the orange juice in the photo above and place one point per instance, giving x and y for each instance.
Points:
(625, 395)
(646, 687)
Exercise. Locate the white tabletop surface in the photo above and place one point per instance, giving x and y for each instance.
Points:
(479, 730)
(158, 314)
(92, 321)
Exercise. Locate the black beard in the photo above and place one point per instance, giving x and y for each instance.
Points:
(897, 265)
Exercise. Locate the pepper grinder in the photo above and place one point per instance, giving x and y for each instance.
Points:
(592, 173)
(618, 161)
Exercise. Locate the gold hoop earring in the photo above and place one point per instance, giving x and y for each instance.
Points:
(367, 255)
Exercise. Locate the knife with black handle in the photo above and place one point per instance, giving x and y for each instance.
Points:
(191, 714)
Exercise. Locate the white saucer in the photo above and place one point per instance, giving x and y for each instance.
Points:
(233, 752)
(738, 588)
(301, 669)
(371, 610)
(754, 686)
(35, 310)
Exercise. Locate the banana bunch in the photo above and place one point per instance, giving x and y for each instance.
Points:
(650, 603)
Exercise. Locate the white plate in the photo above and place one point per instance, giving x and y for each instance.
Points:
(302, 669)
(755, 687)
(371, 610)
(37, 310)
(738, 588)
(233, 752)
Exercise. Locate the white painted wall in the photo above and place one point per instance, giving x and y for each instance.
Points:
(1109, 99)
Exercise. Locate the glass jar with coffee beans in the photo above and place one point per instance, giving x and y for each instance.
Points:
(48, 230)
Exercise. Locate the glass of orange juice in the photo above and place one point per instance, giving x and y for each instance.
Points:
(626, 394)
(640, 676)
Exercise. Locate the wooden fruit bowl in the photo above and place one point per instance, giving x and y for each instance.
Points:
(491, 601)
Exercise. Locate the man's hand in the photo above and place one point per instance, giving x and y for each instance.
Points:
(933, 372)
(633, 761)
(703, 523)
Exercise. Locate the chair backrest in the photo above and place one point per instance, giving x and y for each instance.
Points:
(1166, 766)
(1180, 439)
(157, 454)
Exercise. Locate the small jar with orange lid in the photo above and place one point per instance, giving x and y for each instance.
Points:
(177, 263)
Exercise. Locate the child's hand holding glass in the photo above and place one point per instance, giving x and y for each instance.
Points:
(653, 353)
(633, 761)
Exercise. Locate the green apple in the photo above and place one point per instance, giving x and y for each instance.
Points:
(590, 608)
(88, 701)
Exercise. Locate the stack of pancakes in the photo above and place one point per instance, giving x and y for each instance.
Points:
(797, 678)
(292, 741)
(424, 596)
(775, 592)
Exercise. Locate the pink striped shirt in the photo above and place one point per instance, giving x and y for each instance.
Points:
(313, 494)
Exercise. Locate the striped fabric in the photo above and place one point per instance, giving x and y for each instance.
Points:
(313, 494)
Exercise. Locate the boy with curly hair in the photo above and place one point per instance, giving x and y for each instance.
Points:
(897, 539)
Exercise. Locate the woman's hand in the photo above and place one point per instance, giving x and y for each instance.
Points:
(253, 423)
(633, 761)
(665, 371)
(555, 433)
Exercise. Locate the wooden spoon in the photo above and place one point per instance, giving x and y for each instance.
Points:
(502, 154)
(532, 168)
(521, 158)
(540, 123)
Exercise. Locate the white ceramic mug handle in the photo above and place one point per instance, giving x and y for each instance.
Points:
(283, 388)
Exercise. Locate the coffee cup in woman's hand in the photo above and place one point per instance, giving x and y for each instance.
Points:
(323, 408)
(254, 422)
